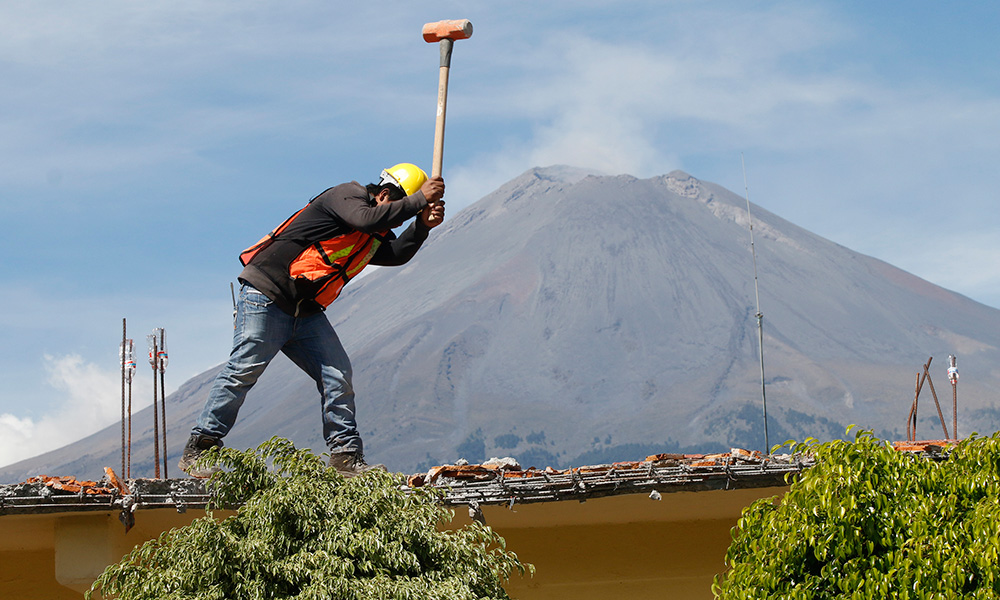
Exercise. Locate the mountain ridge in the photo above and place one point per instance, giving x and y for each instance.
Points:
(568, 313)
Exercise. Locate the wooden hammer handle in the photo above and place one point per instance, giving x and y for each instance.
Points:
(442, 107)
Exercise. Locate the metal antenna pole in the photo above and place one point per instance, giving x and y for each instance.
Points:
(122, 357)
(130, 372)
(161, 358)
(128, 470)
(760, 315)
(156, 419)
(953, 378)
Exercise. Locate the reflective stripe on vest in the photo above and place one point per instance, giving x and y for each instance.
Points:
(332, 263)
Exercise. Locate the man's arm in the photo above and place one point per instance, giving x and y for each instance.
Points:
(398, 251)
(350, 204)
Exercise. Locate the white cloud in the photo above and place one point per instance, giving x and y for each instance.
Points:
(833, 145)
(636, 106)
(91, 399)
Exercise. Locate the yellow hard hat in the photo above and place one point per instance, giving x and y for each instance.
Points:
(405, 175)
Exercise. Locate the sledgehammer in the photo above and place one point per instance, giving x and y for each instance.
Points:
(445, 32)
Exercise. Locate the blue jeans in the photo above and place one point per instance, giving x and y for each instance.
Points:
(262, 329)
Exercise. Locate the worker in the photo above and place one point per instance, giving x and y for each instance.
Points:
(288, 280)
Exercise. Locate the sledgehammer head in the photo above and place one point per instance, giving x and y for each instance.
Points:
(447, 30)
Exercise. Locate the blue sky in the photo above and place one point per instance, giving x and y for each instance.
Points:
(144, 144)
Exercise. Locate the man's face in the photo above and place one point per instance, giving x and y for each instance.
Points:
(384, 197)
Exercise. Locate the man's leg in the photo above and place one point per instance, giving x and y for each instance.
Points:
(317, 350)
(261, 329)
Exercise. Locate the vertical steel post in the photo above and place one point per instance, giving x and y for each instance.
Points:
(953, 378)
(162, 360)
(760, 315)
(131, 372)
(156, 420)
(122, 357)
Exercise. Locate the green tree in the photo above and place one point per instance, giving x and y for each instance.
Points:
(868, 521)
(302, 531)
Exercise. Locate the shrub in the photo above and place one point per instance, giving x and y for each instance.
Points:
(868, 521)
(302, 531)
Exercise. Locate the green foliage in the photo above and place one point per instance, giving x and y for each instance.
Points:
(302, 531)
(868, 521)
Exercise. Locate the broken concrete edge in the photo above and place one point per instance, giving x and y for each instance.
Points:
(46, 494)
(660, 473)
(183, 494)
(583, 487)
(510, 469)
(498, 481)
(491, 483)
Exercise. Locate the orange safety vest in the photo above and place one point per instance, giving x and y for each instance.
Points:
(336, 260)
(247, 255)
(327, 265)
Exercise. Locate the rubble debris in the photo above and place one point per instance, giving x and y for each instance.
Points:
(504, 480)
(503, 463)
(46, 494)
(497, 481)
(73, 486)
(114, 481)
(933, 446)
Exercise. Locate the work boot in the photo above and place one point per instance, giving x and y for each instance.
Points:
(196, 445)
(350, 464)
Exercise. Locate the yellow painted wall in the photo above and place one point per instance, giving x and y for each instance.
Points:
(622, 546)
(57, 556)
(30, 574)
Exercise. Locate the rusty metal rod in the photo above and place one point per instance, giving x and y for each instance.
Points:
(911, 436)
(936, 403)
(920, 386)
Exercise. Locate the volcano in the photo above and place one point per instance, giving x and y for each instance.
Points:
(573, 318)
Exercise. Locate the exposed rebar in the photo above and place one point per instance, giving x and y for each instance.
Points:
(911, 435)
(937, 404)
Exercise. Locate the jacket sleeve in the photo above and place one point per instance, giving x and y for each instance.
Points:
(399, 251)
(350, 204)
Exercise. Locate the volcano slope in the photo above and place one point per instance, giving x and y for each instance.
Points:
(570, 318)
